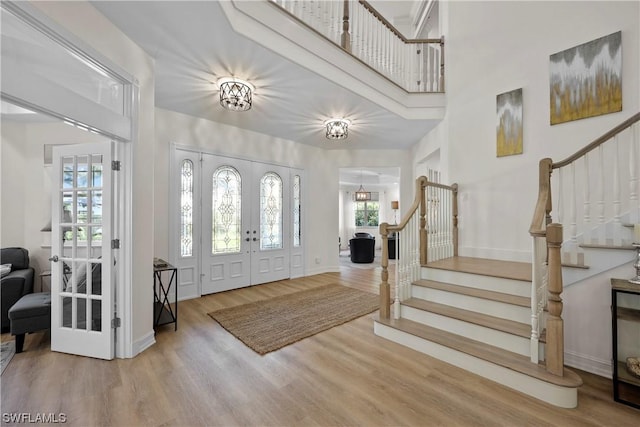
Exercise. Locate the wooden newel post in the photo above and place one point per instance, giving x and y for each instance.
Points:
(385, 289)
(555, 328)
(345, 39)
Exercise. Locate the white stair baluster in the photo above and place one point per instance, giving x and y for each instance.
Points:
(634, 182)
(601, 229)
(573, 228)
(617, 224)
(587, 202)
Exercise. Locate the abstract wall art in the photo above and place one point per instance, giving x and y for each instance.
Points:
(509, 123)
(586, 80)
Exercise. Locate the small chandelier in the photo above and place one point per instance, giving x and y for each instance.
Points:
(337, 128)
(361, 195)
(235, 94)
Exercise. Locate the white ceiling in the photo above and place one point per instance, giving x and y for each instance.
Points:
(193, 45)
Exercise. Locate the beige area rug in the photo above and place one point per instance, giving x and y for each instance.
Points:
(268, 325)
(7, 351)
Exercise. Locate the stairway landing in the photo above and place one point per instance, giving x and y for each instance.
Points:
(486, 267)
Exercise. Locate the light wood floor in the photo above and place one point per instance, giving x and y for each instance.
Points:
(202, 375)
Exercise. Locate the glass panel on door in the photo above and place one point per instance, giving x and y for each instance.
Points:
(270, 211)
(81, 291)
(226, 211)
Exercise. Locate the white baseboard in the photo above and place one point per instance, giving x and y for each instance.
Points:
(588, 363)
(493, 253)
(321, 270)
(144, 343)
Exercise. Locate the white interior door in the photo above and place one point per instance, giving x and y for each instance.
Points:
(81, 254)
(270, 223)
(226, 219)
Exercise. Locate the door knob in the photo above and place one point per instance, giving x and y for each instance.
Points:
(54, 258)
(255, 239)
(247, 239)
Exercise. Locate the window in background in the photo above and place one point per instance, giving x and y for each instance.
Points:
(367, 213)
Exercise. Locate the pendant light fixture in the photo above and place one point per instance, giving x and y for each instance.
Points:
(361, 194)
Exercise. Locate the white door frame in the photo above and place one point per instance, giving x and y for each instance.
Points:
(174, 225)
(124, 133)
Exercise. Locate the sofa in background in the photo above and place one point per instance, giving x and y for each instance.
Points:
(16, 283)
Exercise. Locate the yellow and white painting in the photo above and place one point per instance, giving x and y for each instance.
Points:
(586, 80)
(509, 124)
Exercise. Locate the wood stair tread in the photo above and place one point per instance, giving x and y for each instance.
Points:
(475, 292)
(497, 323)
(486, 267)
(483, 351)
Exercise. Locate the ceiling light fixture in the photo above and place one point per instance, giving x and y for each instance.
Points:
(337, 128)
(235, 94)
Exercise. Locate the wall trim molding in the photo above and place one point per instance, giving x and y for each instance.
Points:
(144, 342)
(588, 363)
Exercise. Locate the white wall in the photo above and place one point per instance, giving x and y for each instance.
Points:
(495, 47)
(26, 186)
(321, 167)
(13, 187)
(587, 322)
(83, 20)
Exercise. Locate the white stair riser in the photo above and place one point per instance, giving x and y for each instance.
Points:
(479, 305)
(564, 397)
(504, 340)
(496, 284)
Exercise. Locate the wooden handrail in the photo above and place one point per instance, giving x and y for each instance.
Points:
(393, 29)
(546, 166)
(595, 144)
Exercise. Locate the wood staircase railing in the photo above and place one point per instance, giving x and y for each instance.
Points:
(427, 232)
(416, 65)
(547, 235)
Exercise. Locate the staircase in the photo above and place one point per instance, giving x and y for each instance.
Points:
(475, 314)
(500, 319)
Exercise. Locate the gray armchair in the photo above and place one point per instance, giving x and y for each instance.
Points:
(15, 284)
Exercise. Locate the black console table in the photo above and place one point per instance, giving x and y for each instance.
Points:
(625, 308)
(164, 311)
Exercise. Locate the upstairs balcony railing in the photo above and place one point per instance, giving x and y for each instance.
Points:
(416, 65)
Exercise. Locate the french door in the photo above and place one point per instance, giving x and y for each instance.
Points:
(239, 223)
(245, 223)
(81, 254)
